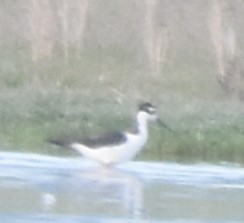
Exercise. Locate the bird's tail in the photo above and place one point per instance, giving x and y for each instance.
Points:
(59, 142)
(69, 144)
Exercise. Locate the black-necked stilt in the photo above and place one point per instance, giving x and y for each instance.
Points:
(114, 148)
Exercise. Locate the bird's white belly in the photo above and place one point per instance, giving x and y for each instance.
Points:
(111, 155)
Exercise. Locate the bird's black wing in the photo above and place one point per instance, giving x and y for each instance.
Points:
(108, 139)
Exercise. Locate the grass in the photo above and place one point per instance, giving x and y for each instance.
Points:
(91, 93)
(200, 135)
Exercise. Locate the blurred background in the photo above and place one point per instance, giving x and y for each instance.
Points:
(80, 67)
(83, 65)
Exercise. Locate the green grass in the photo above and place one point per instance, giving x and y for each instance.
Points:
(201, 134)
(93, 92)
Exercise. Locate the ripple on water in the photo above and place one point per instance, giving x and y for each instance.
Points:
(18, 167)
(59, 188)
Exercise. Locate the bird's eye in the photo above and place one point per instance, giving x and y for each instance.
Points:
(151, 110)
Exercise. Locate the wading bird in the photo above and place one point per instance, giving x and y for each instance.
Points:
(116, 147)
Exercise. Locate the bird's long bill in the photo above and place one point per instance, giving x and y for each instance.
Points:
(159, 121)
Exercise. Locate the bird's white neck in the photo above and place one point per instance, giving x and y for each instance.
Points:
(142, 122)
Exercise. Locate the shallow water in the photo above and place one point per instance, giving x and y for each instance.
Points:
(35, 188)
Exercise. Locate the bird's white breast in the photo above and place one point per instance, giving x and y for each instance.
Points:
(110, 155)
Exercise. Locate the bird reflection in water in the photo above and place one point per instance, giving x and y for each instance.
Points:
(117, 190)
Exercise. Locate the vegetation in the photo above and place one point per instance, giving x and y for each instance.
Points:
(86, 73)
(203, 130)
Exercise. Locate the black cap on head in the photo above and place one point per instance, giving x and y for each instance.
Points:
(146, 107)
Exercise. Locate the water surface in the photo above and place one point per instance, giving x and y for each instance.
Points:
(36, 188)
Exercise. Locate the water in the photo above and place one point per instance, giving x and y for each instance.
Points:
(36, 189)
